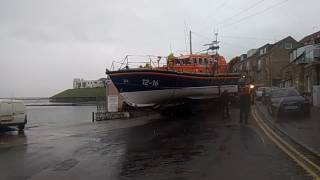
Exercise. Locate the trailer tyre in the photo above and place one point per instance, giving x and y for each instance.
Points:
(21, 127)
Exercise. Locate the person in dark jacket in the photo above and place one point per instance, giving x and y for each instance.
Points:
(245, 102)
(224, 99)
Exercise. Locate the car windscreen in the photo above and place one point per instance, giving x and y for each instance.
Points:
(261, 88)
(284, 93)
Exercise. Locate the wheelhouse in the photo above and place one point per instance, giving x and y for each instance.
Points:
(197, 63)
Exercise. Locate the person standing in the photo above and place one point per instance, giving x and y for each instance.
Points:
(245, 102)
(225, 104)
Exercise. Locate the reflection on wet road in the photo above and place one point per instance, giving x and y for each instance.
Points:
(64, 144)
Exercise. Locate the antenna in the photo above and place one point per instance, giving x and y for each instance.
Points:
(185, 35)
(190, 42)
(214, 45)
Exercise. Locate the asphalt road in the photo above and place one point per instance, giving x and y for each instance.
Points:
(193, 146)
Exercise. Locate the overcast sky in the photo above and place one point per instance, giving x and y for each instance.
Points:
(45, 44)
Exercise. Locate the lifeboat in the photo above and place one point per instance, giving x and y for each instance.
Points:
(199, 76)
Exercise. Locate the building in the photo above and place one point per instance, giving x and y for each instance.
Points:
(251, 52)
(81, 83)
(232, 63)
(237, 67)
(302, 72)
(263, 65)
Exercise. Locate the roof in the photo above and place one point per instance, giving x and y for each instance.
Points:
(310, 37)
(284, 39)
(266, 45)
(234, 60)
(269, 47)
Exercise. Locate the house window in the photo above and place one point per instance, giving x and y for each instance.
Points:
(261, 51)
(288, 45)
(308, 84)
(205, 60)
(294, 56)
(200, 60)
(291, 57)
(259, 65)
(316, 52)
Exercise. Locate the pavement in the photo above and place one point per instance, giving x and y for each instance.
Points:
(305, 130)
(62, 143)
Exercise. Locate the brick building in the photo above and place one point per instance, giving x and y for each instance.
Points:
(232, 63)
(263, 65)
(302, 72)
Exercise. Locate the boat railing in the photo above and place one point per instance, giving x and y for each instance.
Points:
(139, 61)
(160, 63)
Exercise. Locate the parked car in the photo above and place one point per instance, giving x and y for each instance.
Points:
(259, 91)
(12, 113)
(282, 100)
(262, 93)
(266, 93)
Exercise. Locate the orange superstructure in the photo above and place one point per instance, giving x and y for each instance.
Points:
(197, 63)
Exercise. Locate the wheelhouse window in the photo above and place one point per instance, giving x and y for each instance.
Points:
(187, 61)
(200, 60)
(194, 61)
(179, 62)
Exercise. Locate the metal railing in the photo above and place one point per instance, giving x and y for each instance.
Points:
(134, 61)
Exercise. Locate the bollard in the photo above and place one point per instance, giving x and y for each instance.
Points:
(92, 116)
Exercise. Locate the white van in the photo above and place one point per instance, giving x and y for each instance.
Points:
(13, 113)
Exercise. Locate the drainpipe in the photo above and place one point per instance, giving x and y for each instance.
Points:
(270, 71)
(318, 75)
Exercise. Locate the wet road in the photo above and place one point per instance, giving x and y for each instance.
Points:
(62, 143)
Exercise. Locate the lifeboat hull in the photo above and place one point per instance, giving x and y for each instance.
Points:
(151, 87)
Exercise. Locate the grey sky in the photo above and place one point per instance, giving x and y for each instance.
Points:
(45, 44)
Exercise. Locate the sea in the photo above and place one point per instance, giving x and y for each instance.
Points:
(42, 112)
